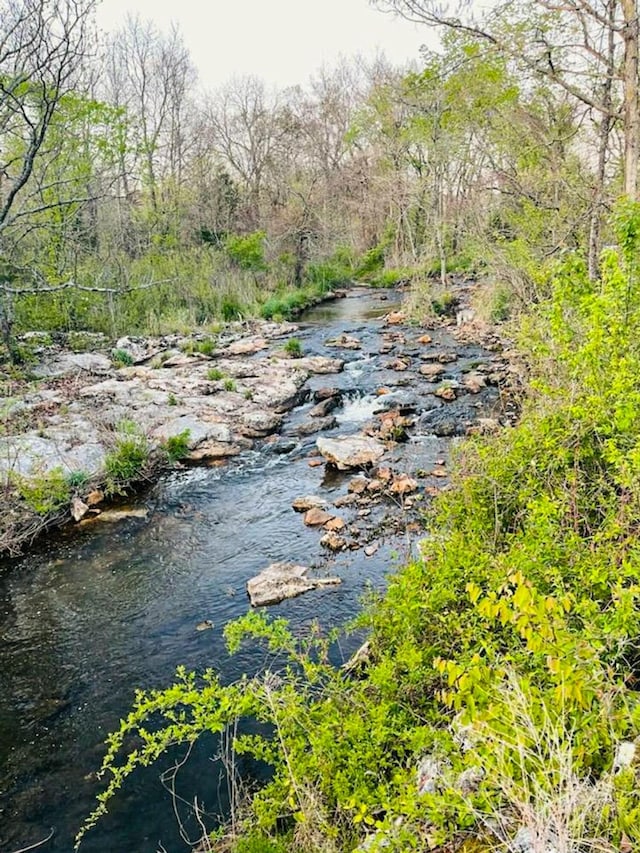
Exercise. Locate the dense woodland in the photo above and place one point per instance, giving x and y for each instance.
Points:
(132, 201)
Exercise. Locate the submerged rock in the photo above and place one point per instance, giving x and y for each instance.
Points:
(114, 515)
(351, 451)
(283, 580)
(344, 341)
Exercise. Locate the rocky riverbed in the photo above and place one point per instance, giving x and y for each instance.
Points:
(219, 393)
(325, 496)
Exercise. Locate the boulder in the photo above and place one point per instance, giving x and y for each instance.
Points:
(325, 407)
(316, 517)
(283, 580)
(199, 430)
(246, 346)
(303, 504)
(474, 383)
(319, 364)
(258, 424)
(325, 394)
(317, 425)
(68, 363)
(358, 485)
(138, 349)
(351, 451)
(402, 485)
(445, 392)
(345, 500)
(211, 450)
(333, 541)
(432, 371)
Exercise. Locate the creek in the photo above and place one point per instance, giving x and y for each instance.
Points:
(92, 613)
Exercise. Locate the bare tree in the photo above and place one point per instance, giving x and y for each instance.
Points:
(43, 44)
(150, 75)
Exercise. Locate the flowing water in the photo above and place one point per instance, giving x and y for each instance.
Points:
(98, 611)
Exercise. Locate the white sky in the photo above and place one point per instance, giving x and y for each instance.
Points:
(281, 41)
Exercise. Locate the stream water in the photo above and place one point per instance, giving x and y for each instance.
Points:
(95, 612)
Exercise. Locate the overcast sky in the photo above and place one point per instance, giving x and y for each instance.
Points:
(282, 41)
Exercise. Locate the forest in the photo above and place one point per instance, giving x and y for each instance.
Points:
(134, 201)
(502, 664)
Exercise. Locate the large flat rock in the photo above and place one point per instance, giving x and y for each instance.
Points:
(357, 451)
(283, 580)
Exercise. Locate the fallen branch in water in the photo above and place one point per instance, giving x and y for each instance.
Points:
(37, 844)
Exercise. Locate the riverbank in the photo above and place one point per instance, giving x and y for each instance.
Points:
(87, 427)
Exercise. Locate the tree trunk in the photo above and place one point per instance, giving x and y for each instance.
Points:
(595, 220)
(631, 107)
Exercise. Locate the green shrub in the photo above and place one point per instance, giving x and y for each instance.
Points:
(229, 385)
(205, 347)
(501, 303)
(121, 358)
(391, 277)
(371, 263)
(44, 493)
(172, 400)
(444, 304)
(177, 446)
(325, 276)
(77, 479)
(231, 309)
(214, 374)
(293, 348)
(247, 253)
(125, 464)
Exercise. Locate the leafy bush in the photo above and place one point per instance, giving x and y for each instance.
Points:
(229, 385)
(77, 479)
(126, 461)
(391, 277)
(444, 304)
(293, 347)
(247, 252)
(121, 358)
(371, 263)
(214, 374)
(231, 309)
(44, 493)
(177, 446)
(327, 275)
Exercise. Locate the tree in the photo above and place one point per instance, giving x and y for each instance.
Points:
(43, 45)
(588, 48)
